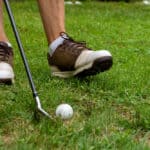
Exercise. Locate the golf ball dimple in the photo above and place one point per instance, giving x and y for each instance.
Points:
(64, 111)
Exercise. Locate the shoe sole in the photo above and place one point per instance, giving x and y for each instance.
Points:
(7, 81)
(99, 65)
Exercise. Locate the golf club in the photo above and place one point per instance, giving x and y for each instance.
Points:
(19, 43)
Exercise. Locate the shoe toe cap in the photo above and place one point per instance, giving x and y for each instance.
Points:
(87, 57)
(6, 71)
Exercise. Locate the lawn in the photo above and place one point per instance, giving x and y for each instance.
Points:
(111, 109)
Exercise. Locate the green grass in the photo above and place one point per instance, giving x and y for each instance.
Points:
(112, 109)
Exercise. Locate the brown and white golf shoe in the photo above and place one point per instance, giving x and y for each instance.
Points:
(6, 63)
(73, 58)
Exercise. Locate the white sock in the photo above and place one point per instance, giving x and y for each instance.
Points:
(9, 44)
(55, 44)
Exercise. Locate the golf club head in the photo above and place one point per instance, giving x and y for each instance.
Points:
(39, 110)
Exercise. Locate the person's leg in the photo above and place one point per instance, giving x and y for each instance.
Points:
(52, 13)
(6, 54)
(67, 57)
(3, 36)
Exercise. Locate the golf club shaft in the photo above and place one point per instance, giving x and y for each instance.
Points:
(13, 24)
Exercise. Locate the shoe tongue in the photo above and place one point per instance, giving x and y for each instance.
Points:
(64, 35)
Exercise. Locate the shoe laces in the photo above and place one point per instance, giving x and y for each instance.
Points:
(78, 44)
(4, 53)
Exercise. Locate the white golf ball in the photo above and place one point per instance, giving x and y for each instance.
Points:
(64, 111)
